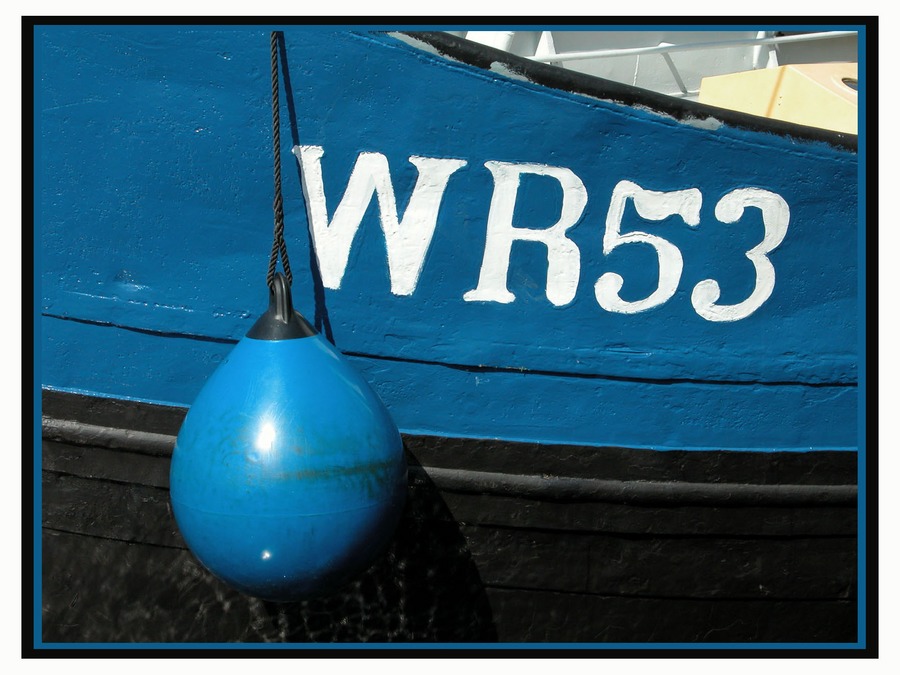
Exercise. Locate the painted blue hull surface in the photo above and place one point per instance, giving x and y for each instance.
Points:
(483, 300)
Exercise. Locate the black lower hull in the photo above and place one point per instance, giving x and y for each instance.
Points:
(500, 543)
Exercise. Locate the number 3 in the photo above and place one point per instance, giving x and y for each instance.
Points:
(775, 215)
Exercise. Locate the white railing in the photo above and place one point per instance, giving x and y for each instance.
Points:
(666, 48)
(754, 53)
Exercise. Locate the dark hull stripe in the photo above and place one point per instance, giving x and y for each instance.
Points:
(554, 488)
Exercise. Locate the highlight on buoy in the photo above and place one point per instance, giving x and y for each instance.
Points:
(288, 476)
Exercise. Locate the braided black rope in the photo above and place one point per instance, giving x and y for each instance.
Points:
(278, 244)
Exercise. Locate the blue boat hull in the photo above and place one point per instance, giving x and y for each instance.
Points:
(474, 308)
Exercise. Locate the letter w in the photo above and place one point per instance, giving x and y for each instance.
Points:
(406, 240)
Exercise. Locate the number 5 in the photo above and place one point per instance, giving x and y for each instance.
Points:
(649, 206)
(775, 215)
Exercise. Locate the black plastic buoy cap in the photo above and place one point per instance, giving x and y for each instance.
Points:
(281, 321)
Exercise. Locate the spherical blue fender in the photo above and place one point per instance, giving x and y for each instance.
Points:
(288, 476)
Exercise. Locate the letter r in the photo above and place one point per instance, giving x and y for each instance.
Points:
(563, 256)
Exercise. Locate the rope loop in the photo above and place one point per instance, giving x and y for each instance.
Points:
(279, 247)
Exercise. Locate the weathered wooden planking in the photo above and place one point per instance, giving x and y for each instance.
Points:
(148, 588)
(635, 565)
(573, 618)
(107, 464)
(464, 566)
(592, 561)
(121, 592)
(623, 463)
(671, 520)
(112, 413)
(503, 483)
(66, 462)
(469, 563)
(98, 491)
(108, 591)
(473, 507)
(164, 596)
(110, 510)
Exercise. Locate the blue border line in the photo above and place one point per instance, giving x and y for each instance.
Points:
(861, 405)
(419, 646)
(36, 428)
(861, 308)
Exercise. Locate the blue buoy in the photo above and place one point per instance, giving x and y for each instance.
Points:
(288, 476)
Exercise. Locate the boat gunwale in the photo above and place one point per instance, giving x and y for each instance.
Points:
(575, 82)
